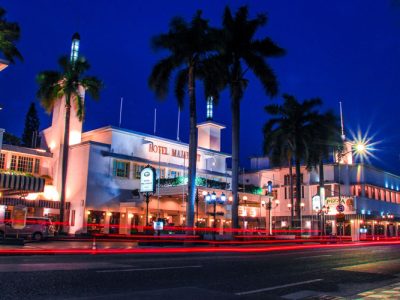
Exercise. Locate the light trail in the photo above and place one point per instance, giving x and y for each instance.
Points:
(186, 250)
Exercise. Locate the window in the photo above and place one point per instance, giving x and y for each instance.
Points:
(162, 173)
(37, 166)
(136, 171)
(121, 169)
(173, 174)
(285, 193)
(25, 164)
(13, 164)
(286, 179)
(2, 161)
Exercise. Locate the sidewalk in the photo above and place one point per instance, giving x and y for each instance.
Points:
(391, 291)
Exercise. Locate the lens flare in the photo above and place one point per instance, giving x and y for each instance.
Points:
(364, 146)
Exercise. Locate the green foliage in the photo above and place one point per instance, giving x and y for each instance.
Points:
(9, 35)
(11, 139)
(53, 85)
(200, 181)
(31, 129)
(252, 189)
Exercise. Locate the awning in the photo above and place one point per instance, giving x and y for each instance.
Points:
(32, 203)
(28, 184)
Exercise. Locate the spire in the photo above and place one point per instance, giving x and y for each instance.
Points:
(75, 47)
(210, 106)
(341, 121)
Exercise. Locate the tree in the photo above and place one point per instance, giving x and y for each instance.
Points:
(31, 129)
(189, 46)
(56, 85)
(9, 35)
(11, 139)
(239, 52)
(278, 146)
(293, 125)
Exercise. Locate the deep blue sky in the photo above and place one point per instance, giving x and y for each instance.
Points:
(337, 50)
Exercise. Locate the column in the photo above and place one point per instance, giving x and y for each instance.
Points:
(385, 229)
(355, 230)
(106, 223)
(373, 230)
(334, 229)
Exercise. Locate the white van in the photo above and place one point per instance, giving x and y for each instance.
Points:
(37, 228)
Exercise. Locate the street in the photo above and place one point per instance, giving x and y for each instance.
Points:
(303, 274)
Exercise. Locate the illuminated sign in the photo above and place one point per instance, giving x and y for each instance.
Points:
(172, 152)
(18, 218)
(148, 180)
(333, 202)
(316, 202)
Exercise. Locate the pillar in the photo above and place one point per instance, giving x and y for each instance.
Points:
(373, 230)
(334, 229)
(106, 223)
(355, 230)
(385, 225)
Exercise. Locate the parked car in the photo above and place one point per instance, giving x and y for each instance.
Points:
(37, 228)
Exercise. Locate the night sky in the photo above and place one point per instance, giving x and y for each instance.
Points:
(337, 50)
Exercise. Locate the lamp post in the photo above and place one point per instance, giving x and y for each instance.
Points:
(268, 206)
(244, 198)
(214, 200)
(322, 212)
(301, 217)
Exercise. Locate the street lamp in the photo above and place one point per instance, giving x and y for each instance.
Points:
(322, 212)
(244, 198)
(213, 199)
(302, 205)
(268, 206)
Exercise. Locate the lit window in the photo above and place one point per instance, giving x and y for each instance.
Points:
(121, 169)
(2, 161)
(37, 166)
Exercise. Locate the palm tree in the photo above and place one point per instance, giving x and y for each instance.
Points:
(9, 35)
(239, 52)
(190, 46)
(326, 137)
(278, 146)
(293, 125)
(56, 85)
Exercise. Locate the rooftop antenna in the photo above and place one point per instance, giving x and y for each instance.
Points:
(341, 121)
(155, 120)
(120, 111)
(179, 119)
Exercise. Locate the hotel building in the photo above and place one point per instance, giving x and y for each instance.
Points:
(370, 198)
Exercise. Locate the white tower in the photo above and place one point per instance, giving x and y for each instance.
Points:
(209, 132)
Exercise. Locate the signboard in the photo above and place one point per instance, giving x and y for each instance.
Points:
(18, 218)
(333, 202)
(316, 202)
(148, 180)
(340, 208)
(159, 225)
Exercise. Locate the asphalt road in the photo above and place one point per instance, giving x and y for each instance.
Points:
(287, 275)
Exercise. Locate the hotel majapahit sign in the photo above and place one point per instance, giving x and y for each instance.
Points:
(333, 202)
(170, 151)
(148, 180)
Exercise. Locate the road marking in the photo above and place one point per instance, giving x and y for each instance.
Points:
(147, 269)
(314, 256)
(277, 287)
